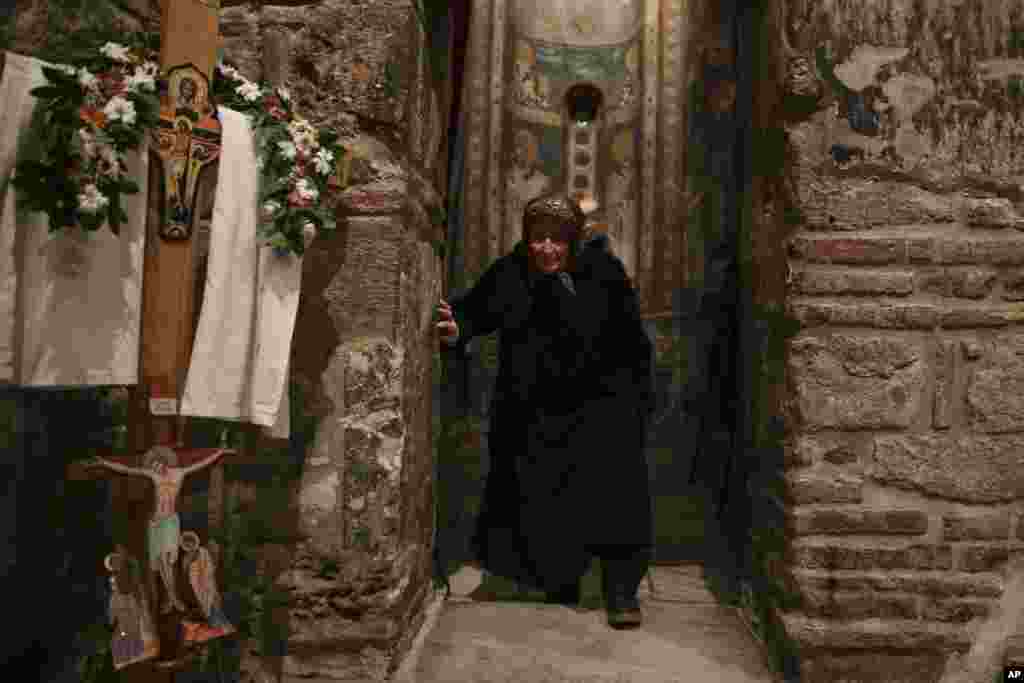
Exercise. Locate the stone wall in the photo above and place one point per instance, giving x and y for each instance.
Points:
(364, 345)
(905, 130)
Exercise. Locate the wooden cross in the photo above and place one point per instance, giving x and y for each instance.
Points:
(187, 142)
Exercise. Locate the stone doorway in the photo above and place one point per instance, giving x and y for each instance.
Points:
(679, 240)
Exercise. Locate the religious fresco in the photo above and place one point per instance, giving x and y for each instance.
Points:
(135, 636)
(531, 88)
(621, 194)
(524, 180)
(579, 22)
(568, 63)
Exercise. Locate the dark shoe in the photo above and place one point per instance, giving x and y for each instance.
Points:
(625, 613)
(567, 595)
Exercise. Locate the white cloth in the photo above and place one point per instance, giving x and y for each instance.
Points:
(239, 367)
(70, 301)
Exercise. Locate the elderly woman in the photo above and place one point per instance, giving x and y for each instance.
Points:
(568, 479)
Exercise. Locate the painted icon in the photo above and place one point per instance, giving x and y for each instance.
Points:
(134, 638)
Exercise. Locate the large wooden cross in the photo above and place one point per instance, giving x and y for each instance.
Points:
(187, 143)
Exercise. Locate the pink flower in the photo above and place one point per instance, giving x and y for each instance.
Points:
(295, 199)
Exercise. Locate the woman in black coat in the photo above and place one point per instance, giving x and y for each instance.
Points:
(568, 477)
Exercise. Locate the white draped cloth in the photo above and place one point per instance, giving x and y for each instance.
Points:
(70, 300)
(239, 367)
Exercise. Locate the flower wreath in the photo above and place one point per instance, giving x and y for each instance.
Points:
(71, 162)
(71, 166)
(296, 160)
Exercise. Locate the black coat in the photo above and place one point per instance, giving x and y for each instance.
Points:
(568, 414)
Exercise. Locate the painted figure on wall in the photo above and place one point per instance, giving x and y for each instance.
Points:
(524, 181)
(620, 193)
(200, 570)
(629, 85)
(163, 536)
(134, 638)
(532, 88)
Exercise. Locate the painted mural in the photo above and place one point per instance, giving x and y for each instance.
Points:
(579, 22)
(524, 180)
(531, 87)
(620, 195)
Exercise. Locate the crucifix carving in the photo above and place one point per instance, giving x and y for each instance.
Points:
(160, 466)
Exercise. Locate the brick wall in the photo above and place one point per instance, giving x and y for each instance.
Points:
(904, 464)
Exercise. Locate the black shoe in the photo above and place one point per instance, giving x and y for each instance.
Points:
(624, 613)
(567, 595)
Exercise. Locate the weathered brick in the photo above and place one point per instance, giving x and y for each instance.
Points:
(818, 281)
(960, 317)
(1014, 651)
(992, 213)
(378, 198)
(976, 527)
(823, 485)
(836, 449)
(1013, 286)
(970, 468)
(874, 634)
(983, 558)
(972, 283)
(857, 382)
(845, 556)
(1003, 252)
(910, 205)
(942, 404)
(921, 250)
(859, 203)
(895, 316)
(906, 522)
(855, 250)
(956, 611)
(858, 605)
(995, 401)
(933, 281)
(829, 666)
(933, 584)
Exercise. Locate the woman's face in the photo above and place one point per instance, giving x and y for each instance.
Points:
(549, 248)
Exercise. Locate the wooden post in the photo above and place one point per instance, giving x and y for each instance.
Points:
(187, 143)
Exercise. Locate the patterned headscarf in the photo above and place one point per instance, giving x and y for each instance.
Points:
(554, 209)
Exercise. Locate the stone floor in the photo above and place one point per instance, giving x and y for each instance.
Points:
(482, 636)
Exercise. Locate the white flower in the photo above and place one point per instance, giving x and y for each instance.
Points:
(306, 189)
(119, 53)
(270, 208)
(91, 200)
(250, 91)
(112, 159)
(324, 161)
(88, 141)
(87, 80)
(287, 149)
(118, 108)
(308, 233)
(283, 93)
(140, 80)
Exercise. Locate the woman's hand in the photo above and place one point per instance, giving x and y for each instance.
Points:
(447, 327)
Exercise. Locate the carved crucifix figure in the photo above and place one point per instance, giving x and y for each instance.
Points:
(164, 532)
